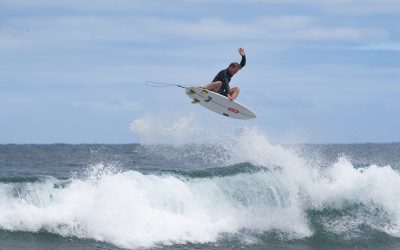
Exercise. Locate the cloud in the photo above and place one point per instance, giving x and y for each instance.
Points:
(105, 23)
(262, 29)
(143, 7)
(389, 46)
(358, 7)
(166, 129)
(65, 32)
(10, 102)
(87, 5)
(338, 7)
(341, 34)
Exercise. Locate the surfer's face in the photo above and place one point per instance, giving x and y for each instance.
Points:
(233, 70)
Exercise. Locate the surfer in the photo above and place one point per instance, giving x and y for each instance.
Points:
(220, 84)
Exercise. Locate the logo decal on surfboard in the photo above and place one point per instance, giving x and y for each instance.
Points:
(233, 110)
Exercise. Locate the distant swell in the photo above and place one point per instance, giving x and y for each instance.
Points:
(131, 209)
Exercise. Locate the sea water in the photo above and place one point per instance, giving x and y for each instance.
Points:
(237, 191)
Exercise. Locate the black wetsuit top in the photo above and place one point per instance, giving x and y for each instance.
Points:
(225, 78)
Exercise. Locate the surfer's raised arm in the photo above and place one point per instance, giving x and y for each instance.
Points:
(243, 54)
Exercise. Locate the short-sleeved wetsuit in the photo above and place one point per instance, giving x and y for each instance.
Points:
(225, 78)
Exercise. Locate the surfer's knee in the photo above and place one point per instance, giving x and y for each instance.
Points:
(218, 84)
(236, 89)
(214, 86)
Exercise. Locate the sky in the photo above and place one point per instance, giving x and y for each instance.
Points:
(318, 71)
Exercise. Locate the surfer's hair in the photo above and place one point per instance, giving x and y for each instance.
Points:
(235, 65)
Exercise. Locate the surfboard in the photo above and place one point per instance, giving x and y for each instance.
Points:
(218, 103)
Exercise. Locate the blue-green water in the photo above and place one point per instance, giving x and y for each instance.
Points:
(246, 194)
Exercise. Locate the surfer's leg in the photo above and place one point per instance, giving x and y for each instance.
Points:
(233, 93)
(214, 86)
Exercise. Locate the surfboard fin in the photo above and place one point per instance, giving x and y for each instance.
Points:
(195, 101)
(191, 92)
(204, 91)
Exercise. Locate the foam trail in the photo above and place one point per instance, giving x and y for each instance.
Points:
(171, 130)
(180, 129)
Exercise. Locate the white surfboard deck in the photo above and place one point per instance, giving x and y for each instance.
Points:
(218, 103)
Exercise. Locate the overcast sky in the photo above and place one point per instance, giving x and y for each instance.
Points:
(319, 71)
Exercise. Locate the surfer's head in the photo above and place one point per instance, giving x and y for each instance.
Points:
(233, 68)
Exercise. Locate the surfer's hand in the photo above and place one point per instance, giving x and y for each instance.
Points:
(241, 51)
(230, 97)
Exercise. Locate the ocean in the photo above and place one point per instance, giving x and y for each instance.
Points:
(244, 193)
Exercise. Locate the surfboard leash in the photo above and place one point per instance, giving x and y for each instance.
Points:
(163, 84)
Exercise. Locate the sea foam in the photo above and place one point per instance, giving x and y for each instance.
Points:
(287, 196)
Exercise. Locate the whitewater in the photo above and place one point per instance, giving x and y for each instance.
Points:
(236, 190)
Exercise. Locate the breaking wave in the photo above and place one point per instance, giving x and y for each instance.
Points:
(261, 191)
